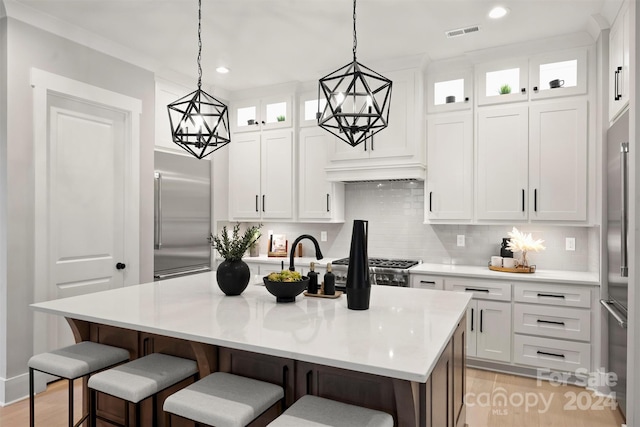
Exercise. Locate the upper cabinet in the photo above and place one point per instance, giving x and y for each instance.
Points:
(619, 63)
(262, 114)
(308, 108)
(396, 152)
(449, 91)
(550, 75)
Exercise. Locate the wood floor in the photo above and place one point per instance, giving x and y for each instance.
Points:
(528, 404)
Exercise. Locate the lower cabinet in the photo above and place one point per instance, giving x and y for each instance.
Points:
(489, 330)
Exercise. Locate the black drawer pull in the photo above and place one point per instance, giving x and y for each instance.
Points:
(481, 320)
(544, 353)
(476, 290)
(552, 322)
(472, 322)
(430, 201)
(428, 282)
(551, 295)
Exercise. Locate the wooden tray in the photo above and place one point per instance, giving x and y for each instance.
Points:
(530, 269)
(338, 294)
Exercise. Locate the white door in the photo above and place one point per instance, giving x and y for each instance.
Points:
(86, 201)
(244, 176)
(314, 190)
(494, 331)
(277, 175)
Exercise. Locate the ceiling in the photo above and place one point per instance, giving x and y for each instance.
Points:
(266, 42)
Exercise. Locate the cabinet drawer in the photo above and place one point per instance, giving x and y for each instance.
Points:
(551, 353)
(555, 322)
(426, 282)
(481, 289)
(568, 296)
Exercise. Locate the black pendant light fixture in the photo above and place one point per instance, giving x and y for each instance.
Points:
(353, 101)
(199, 122)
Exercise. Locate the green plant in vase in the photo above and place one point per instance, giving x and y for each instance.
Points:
(505, 89)
(281, 118)
(233, 274)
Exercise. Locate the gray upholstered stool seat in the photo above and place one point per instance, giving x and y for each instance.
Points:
(314, 411)
(73, 362)
(141, 378)
(224, 400)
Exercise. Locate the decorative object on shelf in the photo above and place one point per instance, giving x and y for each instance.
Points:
(504, 89)
(504, 251)
(554, 84)
(233, 273)
(199, 122)
(286, 285)
(281, 118)
(522, 242)
(278, 245)
(357, 100)
(358, 286)
(450, 99)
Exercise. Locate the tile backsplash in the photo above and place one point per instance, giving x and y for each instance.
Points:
(394, 210)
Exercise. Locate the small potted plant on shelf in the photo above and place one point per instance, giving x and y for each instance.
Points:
(233, 273)
(280, 118)
(505, 89)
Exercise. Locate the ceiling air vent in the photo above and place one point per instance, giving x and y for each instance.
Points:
(462, 31)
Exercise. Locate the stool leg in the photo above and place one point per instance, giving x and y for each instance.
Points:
(92, 407)
(71, 403)
(32, 403)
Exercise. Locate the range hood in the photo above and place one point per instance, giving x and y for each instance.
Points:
(376, 172)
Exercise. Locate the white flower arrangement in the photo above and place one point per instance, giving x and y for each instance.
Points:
(522, 242)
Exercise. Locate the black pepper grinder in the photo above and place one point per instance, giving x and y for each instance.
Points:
(312, 288)
(329, 281)
(504, 252)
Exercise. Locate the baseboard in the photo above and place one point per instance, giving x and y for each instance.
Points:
(16, 388)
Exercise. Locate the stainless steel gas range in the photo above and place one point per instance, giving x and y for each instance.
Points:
(382, 271)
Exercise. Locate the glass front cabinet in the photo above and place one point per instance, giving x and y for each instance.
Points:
(262, 114)
(450, 91)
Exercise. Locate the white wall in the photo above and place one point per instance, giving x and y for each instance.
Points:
(3, 197)
(396, 229)
(29, 47)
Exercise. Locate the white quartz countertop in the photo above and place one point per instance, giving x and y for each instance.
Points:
(540, 276)
(401, 335)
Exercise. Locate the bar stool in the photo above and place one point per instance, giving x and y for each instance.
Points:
(73, 362)
(224, 400)
(139, 379)
(314, 411)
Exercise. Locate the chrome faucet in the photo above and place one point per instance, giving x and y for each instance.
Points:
(295, 243)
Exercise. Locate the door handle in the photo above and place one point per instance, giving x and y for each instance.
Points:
(472, 320)
(523, 200)
(608, 305)
(430, 201)
(263, 203)
(328, 206)
(535, 200)
(157, 223)
(121, 266)
(624, 220)
(481, 320)
(257, 209)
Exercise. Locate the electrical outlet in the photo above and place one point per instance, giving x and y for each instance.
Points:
(460, 240)
(323, 236)
(570, 243)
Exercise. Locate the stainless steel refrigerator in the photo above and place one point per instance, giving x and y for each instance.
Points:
(182, 212)
(617, 231)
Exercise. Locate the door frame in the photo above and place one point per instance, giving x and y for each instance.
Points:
(44, 84)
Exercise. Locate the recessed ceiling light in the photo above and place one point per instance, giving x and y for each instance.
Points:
(498, 12)
(222, 70)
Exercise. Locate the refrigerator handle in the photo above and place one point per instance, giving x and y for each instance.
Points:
(608, 305)
(157, 223)
(624, 169)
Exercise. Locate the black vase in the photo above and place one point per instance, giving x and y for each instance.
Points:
(358, 284)
(233, 276)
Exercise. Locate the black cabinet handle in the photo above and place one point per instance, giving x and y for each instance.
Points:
(372, 149)
(476, 290)
(430, 201)
(616, 83)
(328, 207)
(257, 209)
(535, 88)
(551, 322)
(523, 200)
(263, 202)
(472, 322)
(428, 282)
(466, 99)
(544, 353)
(121, 266)
(551, 295)
(365, 144)
(481, 320)
(535, 200)
(523, 90)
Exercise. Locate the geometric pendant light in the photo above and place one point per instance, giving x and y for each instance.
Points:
(199, 122)
(353, 101)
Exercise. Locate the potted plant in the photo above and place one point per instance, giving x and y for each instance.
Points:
(233, 274)
(505, 89)
(280, 118)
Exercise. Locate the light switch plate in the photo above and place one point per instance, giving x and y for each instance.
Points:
(460, 240)
(570, 243)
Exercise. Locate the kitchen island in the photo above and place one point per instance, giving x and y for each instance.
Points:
(405, 355)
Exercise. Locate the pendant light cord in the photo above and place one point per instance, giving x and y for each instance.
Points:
(355, 36)
(200, 43)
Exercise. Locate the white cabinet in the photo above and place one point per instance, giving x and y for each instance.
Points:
(489, 330)
(261, 176)
(397, 151)
(502, 81)
(502, 163)
(423, 281)
(262, 114)
(449, 186)
(532, 162)
(619, 63)
(449, 91)
(558, 161)
(308, 108)
(318, 198)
